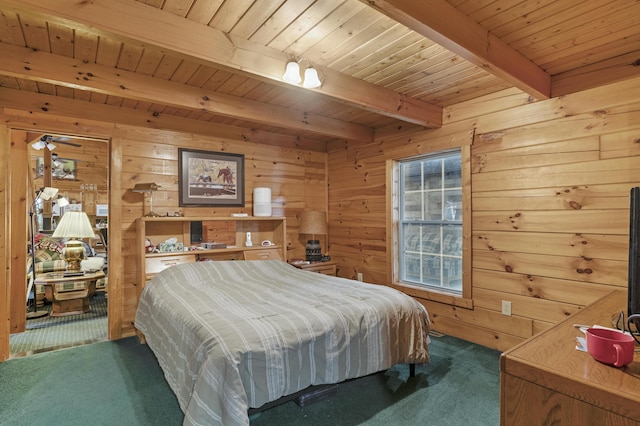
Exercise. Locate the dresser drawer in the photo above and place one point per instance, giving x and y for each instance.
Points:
(160, 263)
(326, 268)
(262, 254)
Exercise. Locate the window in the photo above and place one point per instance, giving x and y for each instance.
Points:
(430, 229)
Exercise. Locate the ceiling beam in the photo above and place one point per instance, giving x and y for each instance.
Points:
(139, 22)
(22, 62)
(38, 104)
(442, 23)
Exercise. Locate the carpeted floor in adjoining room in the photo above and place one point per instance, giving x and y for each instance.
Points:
(50, 333)
(120, 382)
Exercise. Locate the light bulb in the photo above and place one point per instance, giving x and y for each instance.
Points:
(311, 80)
(292, 73)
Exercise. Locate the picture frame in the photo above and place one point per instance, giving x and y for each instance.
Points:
(62, 168)
(207, 178)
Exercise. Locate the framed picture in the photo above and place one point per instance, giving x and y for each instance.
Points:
(61, 168)
(208, 178)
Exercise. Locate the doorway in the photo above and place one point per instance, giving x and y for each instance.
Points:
(64, 311)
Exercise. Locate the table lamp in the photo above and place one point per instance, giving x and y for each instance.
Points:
(74, 225)
(312, 222)
(147, 187)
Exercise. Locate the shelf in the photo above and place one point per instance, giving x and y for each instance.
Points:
(229, 230)
(213, 251)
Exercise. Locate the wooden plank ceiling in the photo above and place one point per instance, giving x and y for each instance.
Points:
(383, 63)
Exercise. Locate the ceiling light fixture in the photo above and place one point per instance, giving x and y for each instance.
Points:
(292, 74)
(311, 79)
(44, 141)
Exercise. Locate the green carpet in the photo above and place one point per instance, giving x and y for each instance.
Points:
(50, 333)
(120, 382)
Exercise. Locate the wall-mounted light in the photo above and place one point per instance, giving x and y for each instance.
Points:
(311, 79)
(292, 75)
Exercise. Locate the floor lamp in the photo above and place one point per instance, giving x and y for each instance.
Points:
(43, 194)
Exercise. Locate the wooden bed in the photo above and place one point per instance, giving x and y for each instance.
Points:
(235, 335)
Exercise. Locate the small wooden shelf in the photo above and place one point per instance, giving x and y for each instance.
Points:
(230, 230)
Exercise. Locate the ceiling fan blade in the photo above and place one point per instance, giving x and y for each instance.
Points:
(68, 143)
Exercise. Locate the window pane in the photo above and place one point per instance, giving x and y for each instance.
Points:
(453, 205)
(433, 174)
(431, 270)
(431, 239)
(412, 238)
(412, 176)
(433, 206)
(412, 268)
(452, 172)
(452, 241)
(412, 206)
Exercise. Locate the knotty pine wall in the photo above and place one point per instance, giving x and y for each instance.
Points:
(297, 179)
(296, 175)
(550, 188)
(549, 198)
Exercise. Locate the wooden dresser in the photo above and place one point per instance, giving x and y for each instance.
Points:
(545, 380)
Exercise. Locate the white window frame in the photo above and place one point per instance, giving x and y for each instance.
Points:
(463, 299)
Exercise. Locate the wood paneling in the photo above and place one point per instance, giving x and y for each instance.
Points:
(297, 178)
(5, 242)
(550, 207)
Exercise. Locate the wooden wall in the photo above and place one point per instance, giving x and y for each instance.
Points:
(152, 156)
(550, 203)
(296, 175)
(549, 199)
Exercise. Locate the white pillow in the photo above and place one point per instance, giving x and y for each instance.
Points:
(92, 264)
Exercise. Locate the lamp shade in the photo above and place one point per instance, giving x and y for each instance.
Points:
(145, 187)
(47, 193)
(313, 222)
(74, 225)
(311, 79)
(61, 201)
(292, 73)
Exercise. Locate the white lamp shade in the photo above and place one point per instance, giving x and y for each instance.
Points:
(38, 145)
(292, 73)
(48, 193)
(74, 225)
(62, 202)
(311, 79)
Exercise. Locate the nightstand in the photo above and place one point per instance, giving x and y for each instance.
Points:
(326, 268)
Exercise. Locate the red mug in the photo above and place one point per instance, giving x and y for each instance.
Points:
(610, 346)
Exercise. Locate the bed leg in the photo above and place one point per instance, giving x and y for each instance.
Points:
(412, 370)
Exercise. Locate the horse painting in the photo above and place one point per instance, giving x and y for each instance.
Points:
(227, 175)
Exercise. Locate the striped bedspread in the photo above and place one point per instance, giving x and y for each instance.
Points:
(230, 335)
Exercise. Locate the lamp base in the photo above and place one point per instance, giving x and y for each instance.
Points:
(314, 251)
(73, 254)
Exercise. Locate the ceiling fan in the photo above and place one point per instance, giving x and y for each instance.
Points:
(59, 161)
(47, 142)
